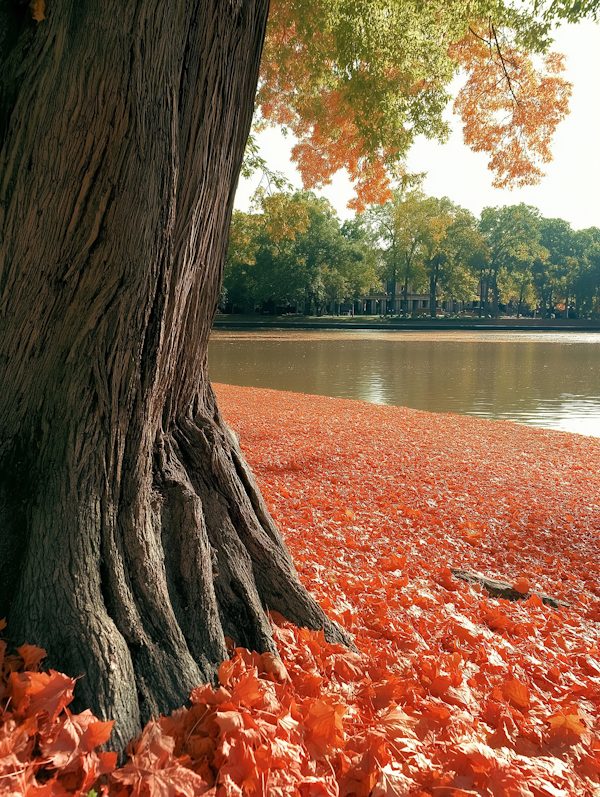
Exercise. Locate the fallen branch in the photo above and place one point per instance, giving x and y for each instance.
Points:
(502, 589)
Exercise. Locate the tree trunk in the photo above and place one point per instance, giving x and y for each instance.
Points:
(433, 280)
(495, 296)
(133, 537)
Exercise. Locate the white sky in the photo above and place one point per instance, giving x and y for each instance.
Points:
(571, 189)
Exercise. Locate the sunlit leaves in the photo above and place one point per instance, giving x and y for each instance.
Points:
(510, 108)
(509, 692)
(356, 81)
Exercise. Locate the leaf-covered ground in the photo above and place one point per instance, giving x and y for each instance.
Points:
(451, 692)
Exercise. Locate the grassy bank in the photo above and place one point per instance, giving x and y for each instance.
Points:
(396, 322)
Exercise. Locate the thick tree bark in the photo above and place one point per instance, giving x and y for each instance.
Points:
(132, 535)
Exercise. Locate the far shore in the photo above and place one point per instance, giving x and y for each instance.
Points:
(387, 322)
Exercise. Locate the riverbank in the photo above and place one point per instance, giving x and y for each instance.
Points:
(449, 690)
(377, 503)
(397, 323)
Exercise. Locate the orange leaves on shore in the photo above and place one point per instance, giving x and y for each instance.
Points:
(470, 694)
(450, 691)
(44, 749)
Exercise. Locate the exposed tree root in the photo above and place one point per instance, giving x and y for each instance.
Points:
(190, 559)
(502, 589)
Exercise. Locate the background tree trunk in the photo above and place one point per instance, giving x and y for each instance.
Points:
(132, 535)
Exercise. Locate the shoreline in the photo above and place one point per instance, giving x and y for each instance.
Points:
(412, 324)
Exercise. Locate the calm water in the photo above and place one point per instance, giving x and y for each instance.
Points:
(536, 378)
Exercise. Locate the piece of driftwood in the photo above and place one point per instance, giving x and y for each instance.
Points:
(502, 589)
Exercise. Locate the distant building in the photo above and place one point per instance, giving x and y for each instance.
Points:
(379, 302)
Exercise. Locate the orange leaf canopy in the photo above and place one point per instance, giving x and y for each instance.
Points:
(356, 81)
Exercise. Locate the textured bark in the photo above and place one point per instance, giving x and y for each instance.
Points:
(132, 535)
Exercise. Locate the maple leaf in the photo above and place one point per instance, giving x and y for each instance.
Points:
(318, 787)
(225, 672)
(393, 783)
(205, 694)
(565, 727)
(396, 723)
(229, 721)
(72, 737)
(522, 585)
(516, 693)
(41, 692)
(154, 772)
(31, 655)
(249, 690)
(14, 736)
(239, 773)
(324, 725)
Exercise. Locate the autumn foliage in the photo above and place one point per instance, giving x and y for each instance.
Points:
(357, 82)
(449, 691)
(509, 108)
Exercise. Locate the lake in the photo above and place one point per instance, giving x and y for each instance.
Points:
(546, 379)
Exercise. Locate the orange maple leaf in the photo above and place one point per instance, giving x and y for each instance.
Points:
(324, 724)
(566, 727)
(516, 693)
(522, 585)
(31, 655)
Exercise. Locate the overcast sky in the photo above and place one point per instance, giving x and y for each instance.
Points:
(571, 189)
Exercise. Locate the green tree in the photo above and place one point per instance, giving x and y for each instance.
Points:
(465, 250)
(401, 228)
(361, 258)
(263, 265)
(513, 237)
(451, 246)
(586, 280)
(294, 252)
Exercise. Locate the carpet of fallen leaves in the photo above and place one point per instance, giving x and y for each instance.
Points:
(450, 693)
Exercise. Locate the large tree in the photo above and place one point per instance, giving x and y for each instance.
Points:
(133, 538)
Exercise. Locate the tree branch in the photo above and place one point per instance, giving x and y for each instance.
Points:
(504, 64)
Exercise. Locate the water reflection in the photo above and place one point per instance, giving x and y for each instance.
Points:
(540, 379)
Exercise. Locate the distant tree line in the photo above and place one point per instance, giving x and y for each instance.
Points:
(291, 253)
